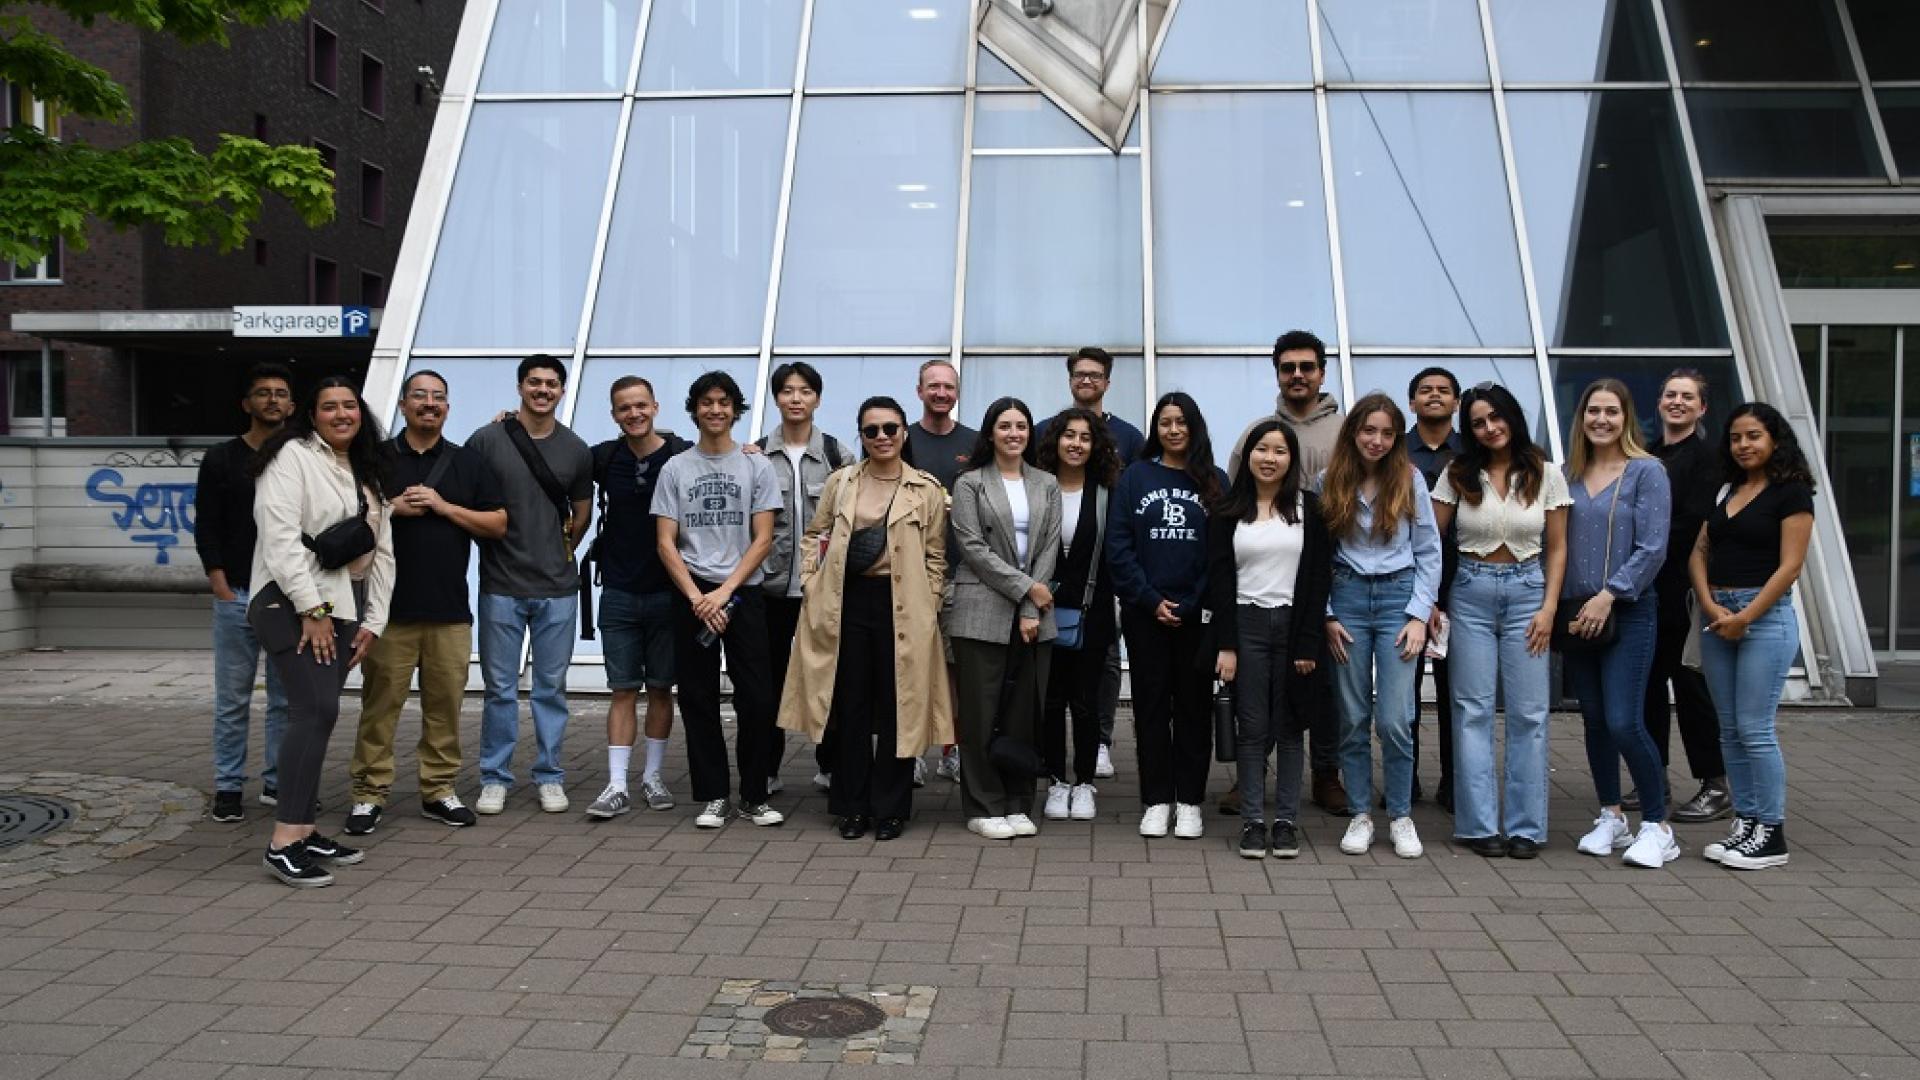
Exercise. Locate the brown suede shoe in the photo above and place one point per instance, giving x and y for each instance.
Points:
(1330, 794)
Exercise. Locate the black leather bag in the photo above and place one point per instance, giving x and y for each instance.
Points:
(1226, 724)
(1009, 753)
(343, 541)
(276, 626)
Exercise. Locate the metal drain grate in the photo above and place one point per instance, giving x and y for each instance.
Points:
(824, 1017)
(28, 817)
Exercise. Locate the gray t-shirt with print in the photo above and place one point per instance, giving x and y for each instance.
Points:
(713, 497)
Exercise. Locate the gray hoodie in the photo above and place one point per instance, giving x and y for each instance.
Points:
(1317, 433)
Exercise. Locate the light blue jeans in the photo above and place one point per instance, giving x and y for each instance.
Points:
(1745, 678)
(505, 621)
(1491, 605)
(236, 657)
(1375, 687)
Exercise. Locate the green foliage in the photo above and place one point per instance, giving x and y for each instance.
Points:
(50, 189)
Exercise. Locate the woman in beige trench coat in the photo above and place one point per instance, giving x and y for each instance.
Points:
(867, 662)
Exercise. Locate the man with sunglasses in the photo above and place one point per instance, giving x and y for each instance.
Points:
(1300, 367)
(1432, 398)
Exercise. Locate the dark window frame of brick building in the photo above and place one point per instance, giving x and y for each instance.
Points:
(373, 194)
(373, 289)
(323, 280)
(373, 86)
(323, 57)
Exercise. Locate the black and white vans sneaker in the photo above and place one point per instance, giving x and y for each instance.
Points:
(1765, 847)
(294, 866)
(332, 851)
(363, 818)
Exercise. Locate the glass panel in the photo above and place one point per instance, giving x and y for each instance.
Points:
(720, 44)
(870, 242)
(1859, 437)
(1041, 382)
(1232, 391)
(1577, 41)
(1392, 375)
(1401, 41)
(1240, 219)
(845, 382)
(1053, 251)
(1782, 133)
(560, 46)
(990, 70)
(1758, 41)
(1908, 477)
(693, 222)
(1887, 30)
(1806, 341)
(1644, 376)
(1847, 262)
(1026, 121)
(1619, 257)
(888, 43)
(511, 268)
(1426, 231)
(1900, 114)
(1236, 41)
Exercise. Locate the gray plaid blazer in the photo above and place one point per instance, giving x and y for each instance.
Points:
(988, 579)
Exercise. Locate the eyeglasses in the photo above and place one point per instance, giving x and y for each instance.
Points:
(874, 431)
(1089, 376)
(1481, 388)
(1304, 367)
(427, 395)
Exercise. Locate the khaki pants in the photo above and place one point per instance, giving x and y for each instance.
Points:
(440, 652)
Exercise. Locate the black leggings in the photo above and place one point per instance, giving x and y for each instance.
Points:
(1172, 709)
(1073, 684)
(313, 705)
(868, 775)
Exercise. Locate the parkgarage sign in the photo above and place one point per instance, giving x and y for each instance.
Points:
(302, 322)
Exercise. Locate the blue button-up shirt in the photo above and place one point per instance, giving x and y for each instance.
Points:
(1639, 537)
(1414, 544)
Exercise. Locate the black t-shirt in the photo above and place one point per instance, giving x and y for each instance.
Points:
(1693, 472)
(224, 530)
(627, 548)
(430, 552)
(1743, 551)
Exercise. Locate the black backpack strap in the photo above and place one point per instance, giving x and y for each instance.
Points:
(836, 453)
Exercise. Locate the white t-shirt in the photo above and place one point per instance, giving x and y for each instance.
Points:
(795, 455)
(1267, 556)
(1069, 515)
(1017, 501)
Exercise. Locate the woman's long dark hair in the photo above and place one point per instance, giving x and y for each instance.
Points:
(881, 401)
(1526, 464)
(981, 455)
(365, 454)
(1788, 463)
(1200, 468)
(1242, 498)
(1103, 465)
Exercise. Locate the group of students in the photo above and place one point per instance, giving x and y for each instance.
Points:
(957, 588)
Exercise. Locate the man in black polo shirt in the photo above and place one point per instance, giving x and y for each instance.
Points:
(443, 496)
(1434, 395)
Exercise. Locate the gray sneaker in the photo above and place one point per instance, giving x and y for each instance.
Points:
(611, 804)
(656, 794)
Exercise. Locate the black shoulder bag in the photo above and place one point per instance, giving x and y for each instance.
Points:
(1009, 753)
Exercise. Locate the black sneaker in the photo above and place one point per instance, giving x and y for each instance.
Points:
(1710, 803)
(269, 796)
(1286, 840)
(332, 851)
(449, 811)
(1253, 840)
(226, 806)
(1765, 847)
(363, 818)
(294, 866)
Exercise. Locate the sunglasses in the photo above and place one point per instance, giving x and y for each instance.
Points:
(875, 431)
(1306, 367)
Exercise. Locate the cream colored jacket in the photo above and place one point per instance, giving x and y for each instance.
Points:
(304, 490)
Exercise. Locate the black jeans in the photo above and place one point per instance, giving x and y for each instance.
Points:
(313, 705)
(1442, 712)
(1073, 685)
(697, 669)
(1263, 687)
(862, 727)
(1172, 709)
(1699, 723)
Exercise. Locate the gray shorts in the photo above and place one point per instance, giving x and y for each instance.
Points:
(636, 637)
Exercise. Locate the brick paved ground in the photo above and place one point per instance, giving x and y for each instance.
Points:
(541, 946)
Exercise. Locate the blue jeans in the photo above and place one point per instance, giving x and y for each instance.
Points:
(505, 621)
(1746, 678)
(1375, 687)
(1491, 605)
(1612, 687)
(236, 656)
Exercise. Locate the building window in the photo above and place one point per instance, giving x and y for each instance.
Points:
(44, 272)
(373, 194)
(22, 369)
(373, 289)
(323, 58)
(373, 86)
(328, 155)
(18, 107)
(260, 126)
(323, 281)
(259, 253)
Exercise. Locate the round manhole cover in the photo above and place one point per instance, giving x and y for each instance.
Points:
(824, 1017)
(28, 817)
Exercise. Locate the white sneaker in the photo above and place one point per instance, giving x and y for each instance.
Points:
(553, 798)
(493, 799)
(1080, 802)
(1359, 835)
(712, 816)
(949, 767)
(1610, 833)
(761, 814)
(1153, 823)
(1103, 767)
(1058, 797)
(1655, 847)
(919, 772)
(1406, 840)
(823, 781)
(993, 828)
(1188, 822)
(1022, 825)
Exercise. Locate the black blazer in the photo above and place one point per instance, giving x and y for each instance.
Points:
(1311, 585)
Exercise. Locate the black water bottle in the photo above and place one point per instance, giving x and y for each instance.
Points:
(1226, 731)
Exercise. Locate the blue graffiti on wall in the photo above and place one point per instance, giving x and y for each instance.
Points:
(161, 512)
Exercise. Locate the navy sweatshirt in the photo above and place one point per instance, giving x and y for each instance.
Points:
(1157, 539)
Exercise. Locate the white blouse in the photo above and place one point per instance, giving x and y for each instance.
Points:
(304, 490)
(1482, 529)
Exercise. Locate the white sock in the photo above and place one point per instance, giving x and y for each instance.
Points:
(656, 752)
(617, 758)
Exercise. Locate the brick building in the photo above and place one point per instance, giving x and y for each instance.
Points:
(346, 79)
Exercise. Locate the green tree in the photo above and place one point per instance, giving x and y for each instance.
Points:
(51, 188)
